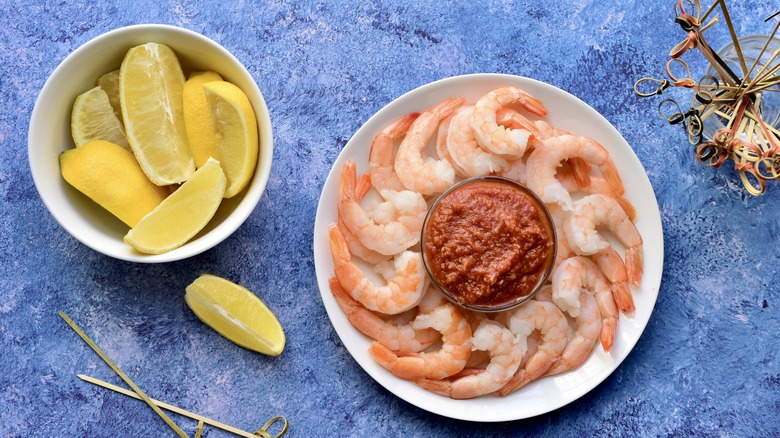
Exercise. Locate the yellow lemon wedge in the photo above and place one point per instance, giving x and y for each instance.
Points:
(182, 214)
(150, 92)
(235, 313)
(93, 118)
(109, 82)
(109, 175)
(236, 128)
(197, 117)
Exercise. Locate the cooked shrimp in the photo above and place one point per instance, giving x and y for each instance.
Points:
(598, 185)
(543, 163)
(512, 119)
(397, 337)
(400, 294)
(441, 146)
(464, 149)
(380, 159)
(594, 210)
(478, 357)
(505, 355)
(578, 274)
(446, 361)
(547, 319)
(425, 175)
(356, 248)
(499, 139)
(390, 237)
(586, 328)
(515, 170)
(610, 263)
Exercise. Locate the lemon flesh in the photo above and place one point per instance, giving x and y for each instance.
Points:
(109, 82)
(182, 214)
(235, 313)
(93, 118)
(197, 117)
(236, 129)
(150, 92)
(109, 175)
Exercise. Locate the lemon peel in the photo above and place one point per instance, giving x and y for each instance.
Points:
(109, 175)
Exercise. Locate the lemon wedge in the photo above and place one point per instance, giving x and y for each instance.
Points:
(182, 214)
(93, 118)
(197, 117)
(109, 175)
(235, 313)
(150, 92)
(236, 129)
(109, 82)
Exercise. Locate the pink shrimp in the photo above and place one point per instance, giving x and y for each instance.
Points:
(424, 174)
(397, 337)
(543, 163)
(505, 355)
(391, 236)
(586, 329)
(400, 294)
(576, 275)
(594, 210)
(448, 360)
(380, 159)
(510, 143)
(549, 321)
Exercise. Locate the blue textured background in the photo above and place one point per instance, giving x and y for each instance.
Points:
(706, 365)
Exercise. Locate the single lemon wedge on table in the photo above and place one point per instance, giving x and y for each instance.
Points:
(109, 175)
(235, 313)
(197, 117)
(93, 118)
(236, 128)
(150, 91)
(182, 214)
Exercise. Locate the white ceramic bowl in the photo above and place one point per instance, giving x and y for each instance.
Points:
(49, 135)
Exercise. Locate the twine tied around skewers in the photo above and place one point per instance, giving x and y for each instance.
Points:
(733, 99)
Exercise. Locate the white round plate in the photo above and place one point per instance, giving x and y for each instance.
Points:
(549, 393)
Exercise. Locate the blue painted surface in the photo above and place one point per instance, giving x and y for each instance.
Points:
(707, 364)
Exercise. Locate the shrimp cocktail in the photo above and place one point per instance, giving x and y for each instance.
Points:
(518, 239)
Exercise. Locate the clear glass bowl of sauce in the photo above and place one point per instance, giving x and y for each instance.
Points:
(488, 243)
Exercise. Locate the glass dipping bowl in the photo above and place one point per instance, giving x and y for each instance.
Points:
(543, 215)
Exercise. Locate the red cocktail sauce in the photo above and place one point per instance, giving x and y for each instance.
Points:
(487, 242)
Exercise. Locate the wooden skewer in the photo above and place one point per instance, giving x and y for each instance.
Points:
(168, 407)
(120, 373)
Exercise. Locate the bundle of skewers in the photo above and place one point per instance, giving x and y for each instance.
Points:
(731, 100)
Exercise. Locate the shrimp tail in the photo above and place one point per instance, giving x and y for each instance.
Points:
(634, 264)
(440, 387)
(448, 106)
(362, 186)
(580, 169)
(338, 247)
(514, 120)
(383, 355)
(610, 173)
(623, 298)
(520, 379)
(348, 182)
(533, 105)
(608, 330)
(627, 206)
